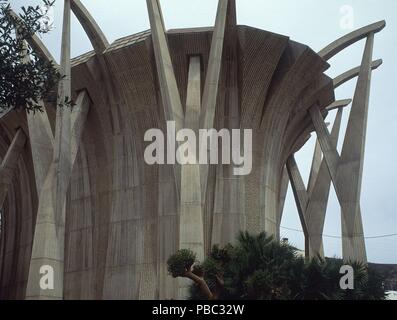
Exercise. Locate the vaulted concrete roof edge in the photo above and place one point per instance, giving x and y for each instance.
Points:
(338, 45)
(90, 26)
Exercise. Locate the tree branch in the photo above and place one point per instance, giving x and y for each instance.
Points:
(220, 284)
(201, 284)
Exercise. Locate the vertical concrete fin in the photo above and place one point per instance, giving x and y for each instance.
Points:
(352, 157)
(171, 98)
(49, 236)
(211, 86)
(210, 93)
(78, 119)
(346, 170)
(161, 15)
(191, 225)
(94, 32)
(193, 100)
(354, 144)
(62, 154)
(10, 163)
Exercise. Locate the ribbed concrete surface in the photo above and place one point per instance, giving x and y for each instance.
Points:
(122, 216)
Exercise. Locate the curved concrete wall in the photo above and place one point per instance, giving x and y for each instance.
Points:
(122, 216)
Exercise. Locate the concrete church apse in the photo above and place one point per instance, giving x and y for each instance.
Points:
(78, 196)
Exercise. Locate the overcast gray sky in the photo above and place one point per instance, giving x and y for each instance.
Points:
(315, 23)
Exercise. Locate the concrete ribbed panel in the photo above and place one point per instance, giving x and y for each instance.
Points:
(19, 212)
(122, 216)
(134, 74)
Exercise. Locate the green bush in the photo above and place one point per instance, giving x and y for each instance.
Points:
(258, 267)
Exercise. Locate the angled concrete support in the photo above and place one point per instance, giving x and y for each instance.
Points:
(62, 145)
(351, 164)
(41, 138)
(35, 42)
(40, 135)
(346, 170)
(168, 86)
(283, 196)
(10, 164)
(210, 93)
(42, 145)
(312, 203)
(94, 32)
(301, 196)
(339, 104)
(315, 168)
(49, 236)
(353, 73)
(319, 195)
(226, 16)
(330, 153)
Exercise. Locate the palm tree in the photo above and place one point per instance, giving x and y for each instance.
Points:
(258, 267)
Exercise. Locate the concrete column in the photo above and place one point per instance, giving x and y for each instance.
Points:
(331, 155)
(49, 238)
(283, 196)
(301, 196)
(211, 86)
(227, 216)
(316, 162)
(351, 165)
(191, 227)
(210, 93)
(317, 206)
(41, 137)
(346, 170)
(351, 160)
(312, 204)
(168, 86)
(42, 144)
(173, 111)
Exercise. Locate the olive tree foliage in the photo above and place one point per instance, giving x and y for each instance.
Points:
(26, 78)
